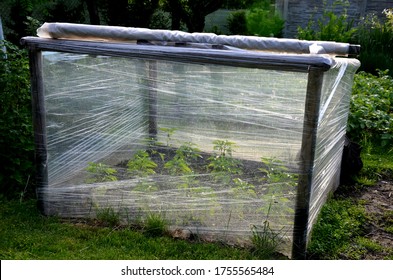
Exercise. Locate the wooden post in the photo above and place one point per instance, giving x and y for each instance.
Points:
(39, 124)
(152, 99)
(310, 125)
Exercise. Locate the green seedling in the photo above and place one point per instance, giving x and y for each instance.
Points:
(275, 171)
(100, 172)
(244, 188)
(222, 160)
(169, 132)
(141, 164)
(224, 147)
(181, 162)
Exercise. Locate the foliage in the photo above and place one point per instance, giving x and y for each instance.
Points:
(181, 162)
(330, 27)
(239, 4)
(100, 172)
(376, 40)
(260, 19)
(136, 13)
(237, 23)
(155, 225)
(275, 171)
(222, 160)
(371, 113)
(178, 165)
(107, 216)
(141, 164)
(266, 241)
(16, 131)
(243, 187)
(169, 133)
(262, 22)
(190, 12)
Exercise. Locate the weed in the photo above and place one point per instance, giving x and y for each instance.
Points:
(107, 216)
(368, 244)
(155, 225)
(266, 241)
(100, 172)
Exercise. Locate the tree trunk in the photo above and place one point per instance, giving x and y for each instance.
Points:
(93, 12)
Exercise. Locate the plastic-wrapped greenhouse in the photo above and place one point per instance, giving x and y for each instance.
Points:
(219, 135)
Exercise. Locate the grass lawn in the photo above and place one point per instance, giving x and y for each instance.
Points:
(25, 234)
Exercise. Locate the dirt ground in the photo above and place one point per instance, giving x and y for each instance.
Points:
(378, 202)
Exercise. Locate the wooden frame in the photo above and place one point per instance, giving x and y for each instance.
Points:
(315, 66)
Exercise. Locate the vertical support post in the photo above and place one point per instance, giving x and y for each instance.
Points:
(310, 125)
(152, 99)
(39, 124)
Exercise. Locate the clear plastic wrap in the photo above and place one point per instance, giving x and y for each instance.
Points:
(215, 149)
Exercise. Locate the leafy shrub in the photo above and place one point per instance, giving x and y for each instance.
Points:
(237, 23)
(330, 27)
(376, 40)
(16, 132)
(262, 22)
(260, 19)
(371, 113)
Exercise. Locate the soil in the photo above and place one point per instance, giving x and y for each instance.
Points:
(378, 203)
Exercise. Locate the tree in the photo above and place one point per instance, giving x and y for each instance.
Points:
(135, 13)
(92, 8)
(191, 12)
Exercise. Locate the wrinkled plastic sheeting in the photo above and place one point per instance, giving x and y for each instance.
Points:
(99, 110)
(112, 33)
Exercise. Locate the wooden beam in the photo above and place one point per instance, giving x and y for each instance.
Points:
(305, 182)
(39, 124)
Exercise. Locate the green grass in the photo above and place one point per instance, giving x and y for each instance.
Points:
(341, 229)
(25, 234)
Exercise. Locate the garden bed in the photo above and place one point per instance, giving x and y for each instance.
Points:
(211, 194)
